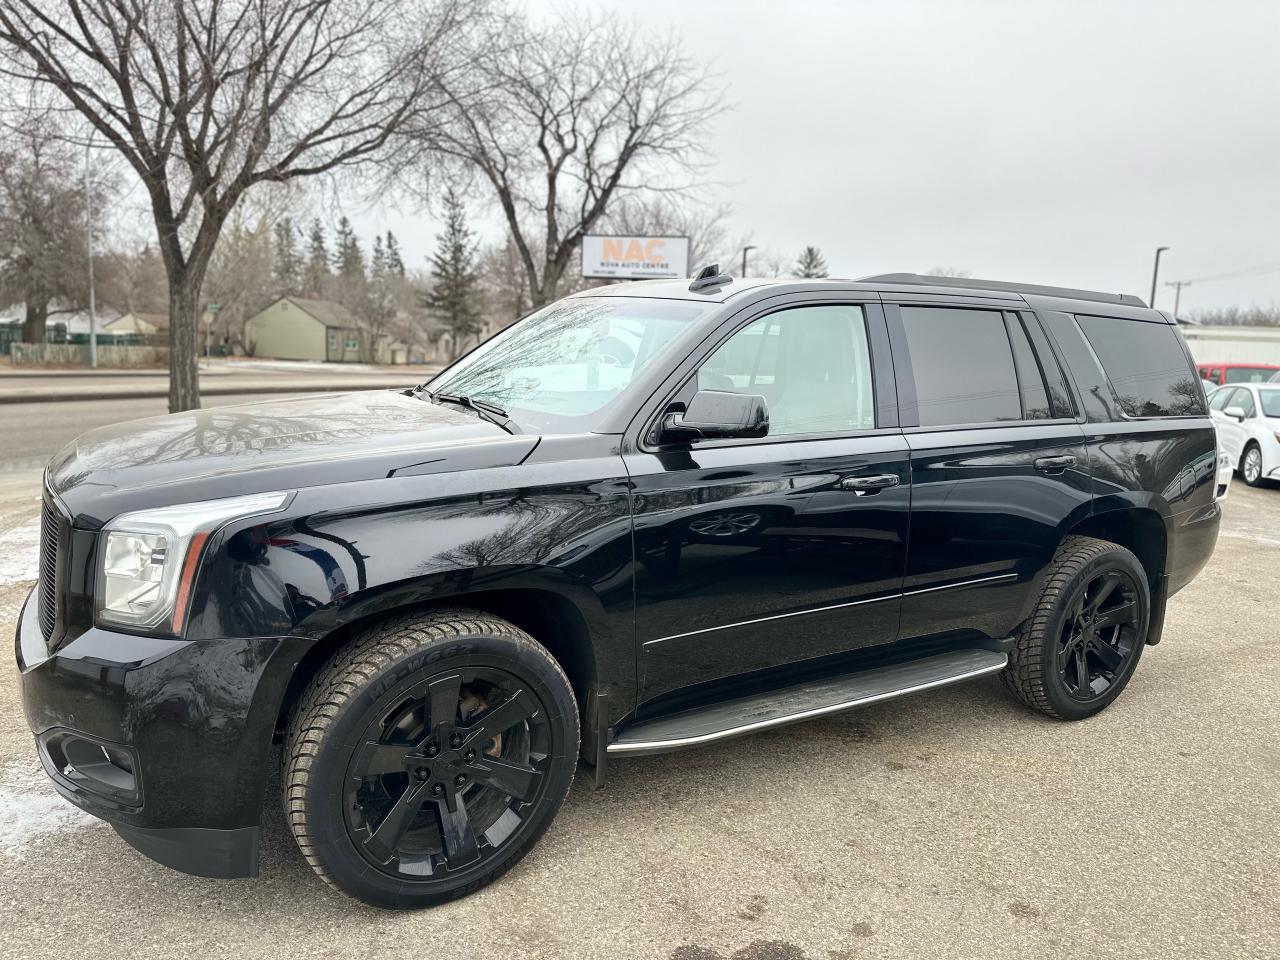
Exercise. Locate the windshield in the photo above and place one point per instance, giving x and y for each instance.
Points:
(1270, 399)
(558, 369)
(1249, 374)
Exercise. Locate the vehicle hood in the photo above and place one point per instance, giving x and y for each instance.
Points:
(271, 445)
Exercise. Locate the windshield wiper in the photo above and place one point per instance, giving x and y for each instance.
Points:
(486, 410)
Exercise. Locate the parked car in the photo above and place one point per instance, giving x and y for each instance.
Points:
(784, 500)
(1225, 373)
(1247, 418)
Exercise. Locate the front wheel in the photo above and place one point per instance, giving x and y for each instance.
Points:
(1251, 465)
(1081, 644)
(429, 757)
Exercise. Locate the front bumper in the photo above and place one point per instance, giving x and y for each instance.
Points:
(168, 740)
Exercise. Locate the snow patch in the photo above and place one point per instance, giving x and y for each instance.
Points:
(30, 809)
(20, 553)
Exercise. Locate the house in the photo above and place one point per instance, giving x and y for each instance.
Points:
(63, 325)
(294, 328)
(136, 328)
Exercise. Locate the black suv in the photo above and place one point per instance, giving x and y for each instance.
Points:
(646, 517)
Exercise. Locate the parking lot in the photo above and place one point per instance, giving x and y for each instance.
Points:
(953, 824)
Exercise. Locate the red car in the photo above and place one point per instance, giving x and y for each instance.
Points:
(1221, 373)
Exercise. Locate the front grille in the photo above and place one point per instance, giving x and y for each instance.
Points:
(50, 534)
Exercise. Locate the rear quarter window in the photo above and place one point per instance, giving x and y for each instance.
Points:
(1146, 365)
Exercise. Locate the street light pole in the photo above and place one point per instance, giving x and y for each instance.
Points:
(745, 250)
(1155, 274)
(88, 218)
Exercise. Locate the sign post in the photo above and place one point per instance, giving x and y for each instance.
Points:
(634, 258)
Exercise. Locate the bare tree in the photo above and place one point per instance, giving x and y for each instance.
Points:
(207, 98)
(575, 113)
(705, 224)
(949, 272)
(44, 243)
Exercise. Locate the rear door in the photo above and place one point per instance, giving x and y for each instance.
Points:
(998, 464)
(1230, 430)
(760, 554)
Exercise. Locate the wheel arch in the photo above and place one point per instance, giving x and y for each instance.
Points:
(549, 616)
(1144, 532)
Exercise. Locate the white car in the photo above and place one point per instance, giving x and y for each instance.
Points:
(1247, 418)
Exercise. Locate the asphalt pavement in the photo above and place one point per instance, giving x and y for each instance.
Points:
(949, 824)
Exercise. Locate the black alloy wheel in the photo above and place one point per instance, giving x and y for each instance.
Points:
(429, 756)
(444, 776)
(1098, 635)
(1079, 648)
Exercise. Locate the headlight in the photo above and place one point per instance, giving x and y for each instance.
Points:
(148, 559)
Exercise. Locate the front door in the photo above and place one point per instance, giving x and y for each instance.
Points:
(758, 554)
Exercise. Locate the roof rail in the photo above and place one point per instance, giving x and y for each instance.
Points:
(968, 283)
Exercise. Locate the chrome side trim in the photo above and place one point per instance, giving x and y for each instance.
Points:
(661, 746)
(835, 606)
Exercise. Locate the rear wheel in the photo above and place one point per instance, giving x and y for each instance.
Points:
(429, 757)
(1251, 465)
(1083, 641)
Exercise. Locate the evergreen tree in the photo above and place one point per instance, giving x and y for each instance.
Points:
(378, 262)
(811, 264)
(316, 276)
(348, 258)
(287, 264)
(395, 264)
(452, 299)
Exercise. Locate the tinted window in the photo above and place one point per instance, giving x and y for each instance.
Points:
(1035, 398)
(1249, 374)
(1146, 366)
(811, 364)
(963, 365)
(1055, 380)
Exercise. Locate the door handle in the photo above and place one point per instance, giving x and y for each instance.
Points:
(862, 486)
(1055, 464)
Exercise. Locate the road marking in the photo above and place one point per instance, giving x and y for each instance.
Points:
(31, 810)
(20, 553)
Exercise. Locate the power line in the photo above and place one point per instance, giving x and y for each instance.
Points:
(1258, 271)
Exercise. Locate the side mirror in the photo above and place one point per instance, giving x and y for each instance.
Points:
(717, 414)
(1235, 413)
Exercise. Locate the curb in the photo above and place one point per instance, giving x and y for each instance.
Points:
(209, 391)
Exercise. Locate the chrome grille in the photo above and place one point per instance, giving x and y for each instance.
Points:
(50, 534)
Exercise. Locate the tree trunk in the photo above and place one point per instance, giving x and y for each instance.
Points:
(36, 322)
(184, 326)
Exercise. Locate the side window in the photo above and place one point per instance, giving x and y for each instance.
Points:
(1215, 375)
(1055, 379)
(1244, 400)
(811, 364)
(1221, 398)
(1035, 397)
(963, 365)
(1146, 366)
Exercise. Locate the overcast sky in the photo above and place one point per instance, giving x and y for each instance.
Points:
(1047, 142)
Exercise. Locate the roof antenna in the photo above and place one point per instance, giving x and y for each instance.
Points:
(709, 276)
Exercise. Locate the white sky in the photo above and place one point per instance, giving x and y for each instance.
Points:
(1047, 142)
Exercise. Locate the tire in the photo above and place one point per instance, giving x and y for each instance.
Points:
(428, 757)
(1251, 465)
(1061, 644)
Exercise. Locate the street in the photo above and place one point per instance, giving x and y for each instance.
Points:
(954, 823)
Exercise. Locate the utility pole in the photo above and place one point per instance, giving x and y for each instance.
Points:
(88, 219)
(1177, 293)
(1155, 274)
(745, 250)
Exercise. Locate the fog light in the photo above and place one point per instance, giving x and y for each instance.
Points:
(99, 767)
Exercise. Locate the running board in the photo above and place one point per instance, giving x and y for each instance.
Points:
(690, 728)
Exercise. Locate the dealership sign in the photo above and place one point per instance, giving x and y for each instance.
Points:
(635, 258)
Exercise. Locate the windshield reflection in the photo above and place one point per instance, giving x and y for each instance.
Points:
(560, 367)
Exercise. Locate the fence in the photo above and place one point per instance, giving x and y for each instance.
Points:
(77, 355)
